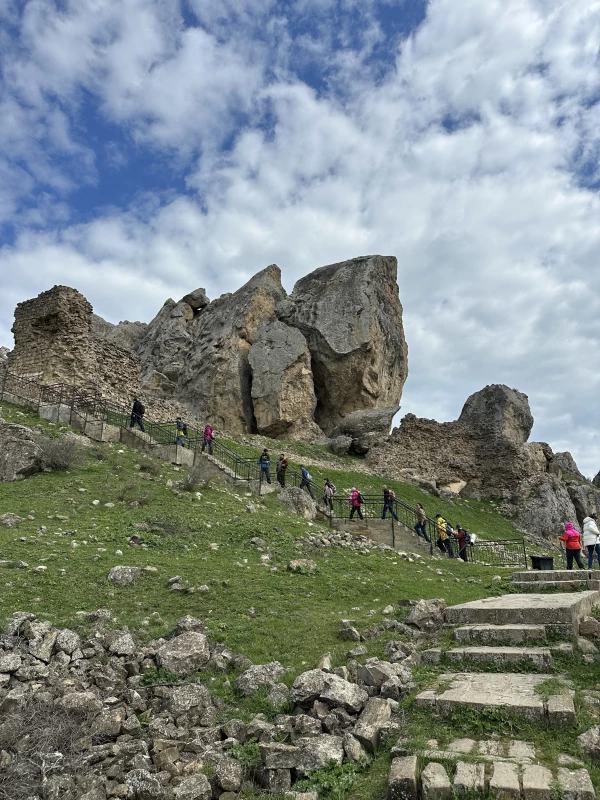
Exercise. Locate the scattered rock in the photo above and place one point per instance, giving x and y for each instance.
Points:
(123, 576)
(258, 676)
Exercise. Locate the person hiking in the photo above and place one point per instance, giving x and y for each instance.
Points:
(421, 526)
(306, 480)
(181, 432)
(450, 540)
(462, 539)
(137, 414)
(591, 539)
(442, 534)
(280, 470)
(572, 539)
(388, 503)
(328, 492)
(208, 438)
(265, 462)
(355, 500)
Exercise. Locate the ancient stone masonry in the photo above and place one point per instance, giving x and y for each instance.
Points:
(252, 361)
(54, 343)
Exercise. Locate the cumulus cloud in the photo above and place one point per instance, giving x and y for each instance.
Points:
(308, 133)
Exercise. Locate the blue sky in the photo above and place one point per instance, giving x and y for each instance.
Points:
(150, 147)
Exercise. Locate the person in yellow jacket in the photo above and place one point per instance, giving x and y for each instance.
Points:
(443, 540)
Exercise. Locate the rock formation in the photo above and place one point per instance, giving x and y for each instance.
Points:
(485, 453)
(20, 454)
(351, 317)
(252, 361)
(364, 429)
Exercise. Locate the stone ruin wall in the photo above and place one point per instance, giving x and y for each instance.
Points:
(54, 343)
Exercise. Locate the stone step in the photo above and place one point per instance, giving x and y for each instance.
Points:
(516, 692)
(538, 657)
(501, 634)
(564, 586)
(560, 612)
(553, 575)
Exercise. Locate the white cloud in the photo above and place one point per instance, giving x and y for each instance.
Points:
(496, 234)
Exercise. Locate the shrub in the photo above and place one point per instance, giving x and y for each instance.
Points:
(195, 479)
(61, 453)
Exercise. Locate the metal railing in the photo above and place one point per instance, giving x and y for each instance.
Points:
(92, 406)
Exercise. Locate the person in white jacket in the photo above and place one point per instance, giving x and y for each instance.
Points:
(591, 539)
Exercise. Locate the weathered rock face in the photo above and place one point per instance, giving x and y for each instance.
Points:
(566, 463)
(351, 317)
(364, 428)
(252, 361)
(283, 396)
(20, 454)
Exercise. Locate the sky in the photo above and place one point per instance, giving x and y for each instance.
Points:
(150, 147)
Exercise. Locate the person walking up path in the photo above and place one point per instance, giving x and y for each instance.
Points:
(306, 480)
(421, 526)
(180, 432)
(572, 539)
(388, 503)
(328, 492)
(591, 539)
(281, 469)
(443, 540)
(137, 414)
(207, 439)
(355, 502)
(265, 462)
(461, 538)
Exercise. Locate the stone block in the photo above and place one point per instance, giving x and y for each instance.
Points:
(403, 779)
(435, 784)
(561, 710)
(469, 777)
(537, 783)
(504, 783)
(575, 784)
(521, 750)
(372, 719)
(462, 746)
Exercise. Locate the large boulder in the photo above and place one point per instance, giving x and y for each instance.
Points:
(498, 412)
(283, 395)
(20, 454)
(351, 317)
(298, 502)
(259, 675)
(566, 463)
(185, 654)
(364, 428)
(208, 360)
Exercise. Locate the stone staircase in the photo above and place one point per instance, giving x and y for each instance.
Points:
(561, 579)
(510, 632)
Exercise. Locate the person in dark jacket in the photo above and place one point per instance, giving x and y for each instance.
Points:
(388, 503)
(329, 491)
(265, 463)
(421, 526)
(137, 414)
(461, 538)
(180, 432)
(281, 470)
(207, 439)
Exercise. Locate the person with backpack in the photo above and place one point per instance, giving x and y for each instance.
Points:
(208, 438)
(591, 539)
(137, 414)
(355, 500)
(265, 462)
(328, 493)
(281, 469)
(462, 537)
(306, 480)
(388, 503)
(421, 526)
(572, 539)
(181, 432)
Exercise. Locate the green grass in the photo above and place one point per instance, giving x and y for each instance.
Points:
(294, 618)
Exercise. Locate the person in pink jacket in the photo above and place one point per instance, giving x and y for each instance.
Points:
(572, 539)
(355, 498)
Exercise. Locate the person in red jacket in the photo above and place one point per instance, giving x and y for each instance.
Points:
(572, 539)
(207, 439)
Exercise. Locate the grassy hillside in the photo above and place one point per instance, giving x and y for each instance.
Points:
(207, 542)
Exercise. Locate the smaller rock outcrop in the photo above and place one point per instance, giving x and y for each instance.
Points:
(364, 428)
(20, 453)
(569, 469)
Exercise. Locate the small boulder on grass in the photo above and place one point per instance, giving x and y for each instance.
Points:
(590, 743)
(259, 675)
(302, 566)
(123, 576)
(10, 520)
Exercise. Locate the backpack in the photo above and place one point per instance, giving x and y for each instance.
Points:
(360, 499)
(449, 529)
(308, 477)
(141, 409)
(184, 429)
(469, 538)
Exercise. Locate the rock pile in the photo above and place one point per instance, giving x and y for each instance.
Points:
(96, 716)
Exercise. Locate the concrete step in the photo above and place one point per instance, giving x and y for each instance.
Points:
(554, 575)
(563, 586)
(514, 692)
(538, 657)
(559, 612)
(501, 634)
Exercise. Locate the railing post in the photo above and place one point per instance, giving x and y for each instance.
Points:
(393, 533)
